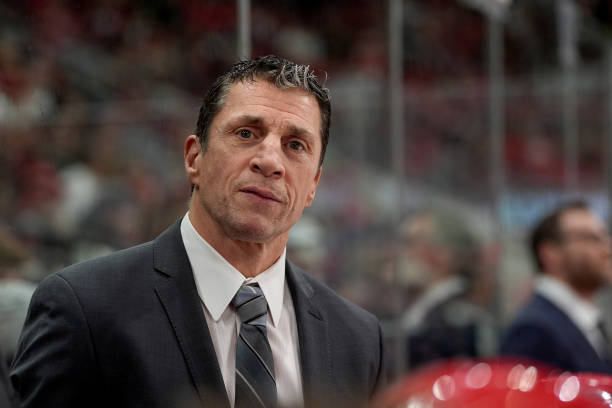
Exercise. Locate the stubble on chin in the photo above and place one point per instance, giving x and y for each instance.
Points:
(238, 224)
(247, 232)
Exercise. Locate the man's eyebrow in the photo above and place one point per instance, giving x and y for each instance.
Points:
(246, 120)
(300, 132)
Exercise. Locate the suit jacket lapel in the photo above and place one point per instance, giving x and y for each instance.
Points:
(315, 353)
(177, 292)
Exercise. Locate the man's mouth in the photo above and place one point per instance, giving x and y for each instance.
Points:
(262, 193)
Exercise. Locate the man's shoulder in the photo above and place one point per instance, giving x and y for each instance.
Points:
(138, 256)
(102, 277)
(541, 310)
(102, 289)
(330, 301)
(539, 316)
(128, 260)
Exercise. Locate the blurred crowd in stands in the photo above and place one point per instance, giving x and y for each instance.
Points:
(96, 99)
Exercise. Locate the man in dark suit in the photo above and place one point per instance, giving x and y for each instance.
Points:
(156, 326)
(561, 325)
(442, 248)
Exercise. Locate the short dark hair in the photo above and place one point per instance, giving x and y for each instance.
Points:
(278, 71)
(548, 229)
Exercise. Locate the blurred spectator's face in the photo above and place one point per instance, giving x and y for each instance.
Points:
(434, 260)
(584, 250)
(260, 166)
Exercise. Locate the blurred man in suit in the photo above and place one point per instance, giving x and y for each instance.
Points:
(561, 325)
(157, 324)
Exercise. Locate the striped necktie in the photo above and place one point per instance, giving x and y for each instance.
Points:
(255, 382)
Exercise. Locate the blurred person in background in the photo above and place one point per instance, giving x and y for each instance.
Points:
(163, 322)
(444, 321)
(15, 293)
(561, 324)
(306, 246)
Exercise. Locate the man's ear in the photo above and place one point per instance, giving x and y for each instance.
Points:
(549, 255)
(193, 151)
(313, 190)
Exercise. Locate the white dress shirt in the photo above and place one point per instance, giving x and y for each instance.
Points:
(584, 314)
(217, 282)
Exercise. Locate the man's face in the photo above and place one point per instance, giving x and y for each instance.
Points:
(585, 250)
(260, 167)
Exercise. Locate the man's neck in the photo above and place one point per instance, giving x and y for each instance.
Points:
(250, 258)
(586, 294)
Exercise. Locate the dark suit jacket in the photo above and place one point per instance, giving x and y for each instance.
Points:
(453, 328)
(543, 332)
(128, 330)
(5, 389)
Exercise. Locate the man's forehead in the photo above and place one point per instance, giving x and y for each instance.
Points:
(581, 218)
(262, 86)
(252, 83)
(300, 103)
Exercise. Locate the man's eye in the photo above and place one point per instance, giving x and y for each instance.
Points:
(295, 145)
(245, 134)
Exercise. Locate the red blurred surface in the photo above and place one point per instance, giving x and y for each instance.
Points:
(497, 383)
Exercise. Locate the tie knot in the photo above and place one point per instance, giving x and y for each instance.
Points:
(251, 305)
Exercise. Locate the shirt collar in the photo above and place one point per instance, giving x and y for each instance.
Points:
(218, 281)
(582, 312)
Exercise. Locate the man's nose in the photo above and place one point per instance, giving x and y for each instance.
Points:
(268, 158)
